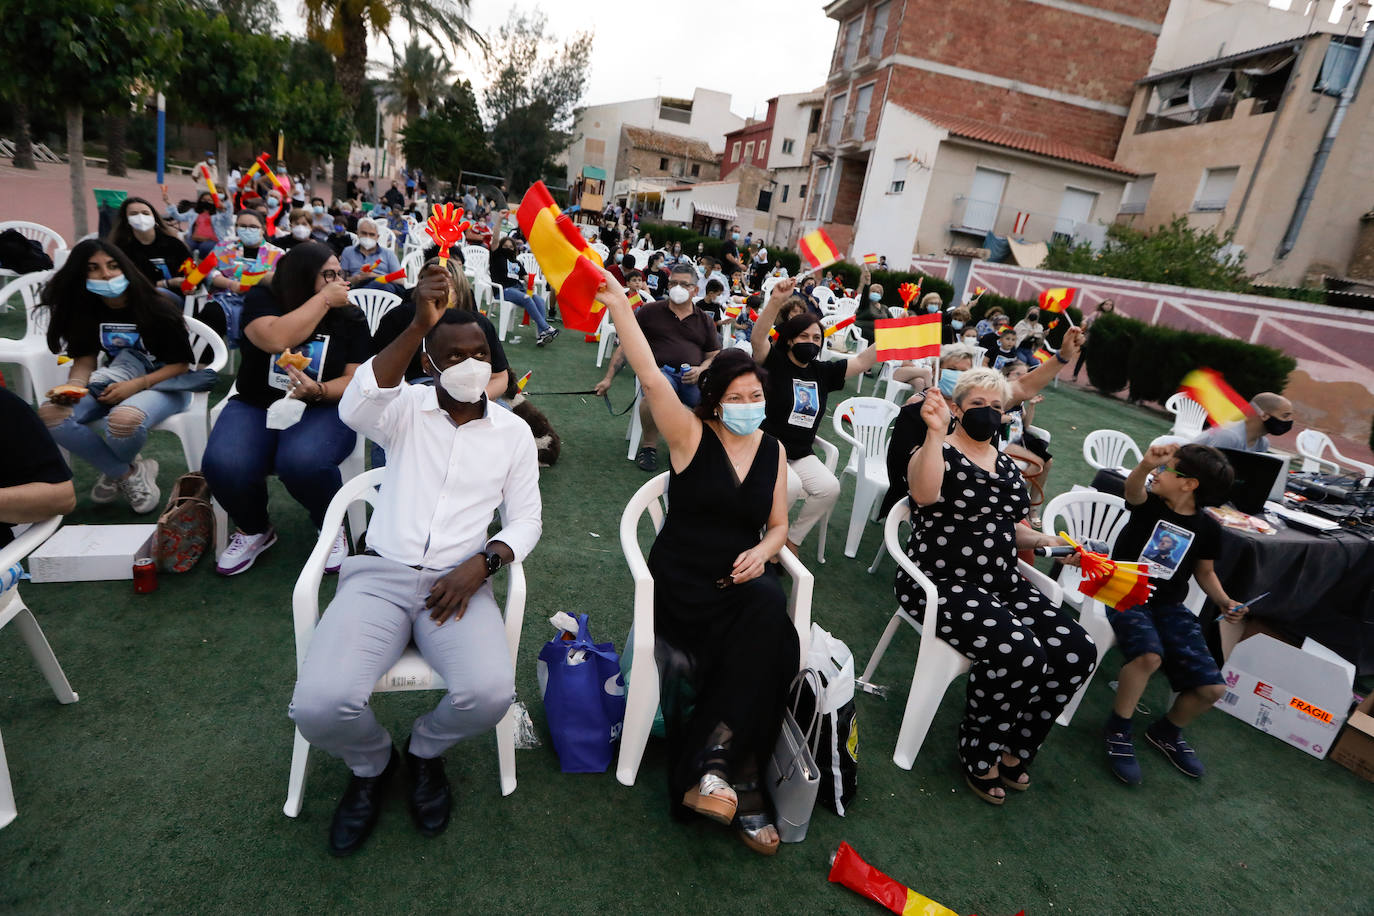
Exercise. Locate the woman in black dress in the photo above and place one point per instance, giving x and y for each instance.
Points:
(1028, 656)
(714, 596)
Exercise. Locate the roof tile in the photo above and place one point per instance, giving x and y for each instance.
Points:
(660, 142)
(1023, 140)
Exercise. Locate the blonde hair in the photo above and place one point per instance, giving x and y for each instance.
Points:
(931, 297)
(950, 353)
(981, 378)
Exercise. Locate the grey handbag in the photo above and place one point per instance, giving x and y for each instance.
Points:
(793, 777)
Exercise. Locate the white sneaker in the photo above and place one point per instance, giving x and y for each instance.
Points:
(243, 549)
(140, 487)
(106, 490)
(338, 553)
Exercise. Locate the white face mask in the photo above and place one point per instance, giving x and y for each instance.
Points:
(366, 243)
(466, 381)
(300, 231)
(678, 295)
(142, 222)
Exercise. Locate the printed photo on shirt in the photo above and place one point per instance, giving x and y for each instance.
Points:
(308, 358)
(806, 402)
(1166, 548)
(116, 336)
(1001, 361)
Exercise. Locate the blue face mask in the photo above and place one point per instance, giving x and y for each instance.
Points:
(875, 297)
(932, 307)
(112, 288)
(249, 236)
(742, 419)
(948, 379)
(956, 324)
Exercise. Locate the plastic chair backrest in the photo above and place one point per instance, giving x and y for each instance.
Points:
(39, 233)
(871, 421)
(412, 262)
(1189, 415)
(375, 303)
(600, 249)
(529, 262)
(896, 311)
(653, 499)
(477, 259)
(823, 295)
(204, 338)
(1084, 514)
(1107, 448)
(640, 257)
(897, 516)
(846, 307)
(29, 288)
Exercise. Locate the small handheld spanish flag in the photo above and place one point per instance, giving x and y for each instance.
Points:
(195, 273)
(870, 260)
(1117, 584)
(1058, 300)
(523, 381)
(1043, 355)
(1220, 400)
(571, 267)
(849, 869)
(914, 337)
(818, 250)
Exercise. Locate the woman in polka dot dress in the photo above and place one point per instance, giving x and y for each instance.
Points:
(1028, 656)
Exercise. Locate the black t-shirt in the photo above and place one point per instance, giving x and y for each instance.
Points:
(506, 269)
(339, 339)
(32, 456)
(101, 328)
(729, 251)
(399, 318)
(657, 281)
(795, 397)
(1171, 543)
(171, 252)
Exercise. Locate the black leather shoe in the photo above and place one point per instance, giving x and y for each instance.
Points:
(431, 799)
(358, 809)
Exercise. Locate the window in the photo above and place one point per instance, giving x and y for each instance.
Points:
(861, 103)
(696, 170)
(898, 176)
(749, 151)
(765, 201)
(801, 193)
(815, 122)
(663, 165)
(984, 199)
(838, 104)
(879, 33)
(785, 189)
(763, 149)
(1075, 208)
(1215, 188)
(818, 200)
(1137, 194)
(852, 29)
(787, 147)
(734, 152)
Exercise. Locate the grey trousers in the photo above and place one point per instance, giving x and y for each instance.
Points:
(378, 609)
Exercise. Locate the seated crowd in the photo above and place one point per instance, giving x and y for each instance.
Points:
(738, 404)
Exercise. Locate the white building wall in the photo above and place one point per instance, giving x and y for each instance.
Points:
(1200, 30)
(677, 205)
(790, 122)
(887, 222)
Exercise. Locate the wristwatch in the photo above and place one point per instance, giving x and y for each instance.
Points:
(494, 561)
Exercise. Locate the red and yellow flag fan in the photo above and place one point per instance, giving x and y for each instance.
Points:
(1220, 400)
(1058, 300)
(839, 325)
(818, 250)
(909, 291)
(571, 267)
(1115, 583)
(849, 868)
(915, 337)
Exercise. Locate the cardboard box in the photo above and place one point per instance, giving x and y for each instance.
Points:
(1298, 697)
(91, 553)
(1354, 749)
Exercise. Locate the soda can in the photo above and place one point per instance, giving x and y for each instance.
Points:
(145, 576)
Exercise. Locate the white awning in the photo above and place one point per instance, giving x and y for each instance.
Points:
(715, 211)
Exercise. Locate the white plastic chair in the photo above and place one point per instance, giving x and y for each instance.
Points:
(41, 372)
(871, 419)
(642, 690)
(1313, 446)
(1189, 416)
(639, 258)
(825, 298)
(606, 338)
(54, 246)
(13, 608)
(192, 425)
(477, 263)
(194, 301)
(636, 431)
(937, 662)
(846, 307)
(411, 262)
(897, 311)
(601, 250)
(385, 237)
(375, 303)
(1107, 448)
(411, 672)
(830, 455)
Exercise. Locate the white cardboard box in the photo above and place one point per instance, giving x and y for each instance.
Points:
(1296, 696)
(91, 553)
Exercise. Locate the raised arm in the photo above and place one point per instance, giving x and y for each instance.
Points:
(758, 339)
(1155, 456)
(925, 472)
(1032, 382)
(861, 363)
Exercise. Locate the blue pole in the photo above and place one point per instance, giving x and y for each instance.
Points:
(161, 136)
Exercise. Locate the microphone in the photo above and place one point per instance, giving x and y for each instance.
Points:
(1064, 551)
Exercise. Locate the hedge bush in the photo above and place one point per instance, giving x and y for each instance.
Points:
(1151, 360)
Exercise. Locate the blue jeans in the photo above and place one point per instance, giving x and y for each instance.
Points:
(533, 306)
(687, 392)
(242, 452)
(112, 455)
(232, 306)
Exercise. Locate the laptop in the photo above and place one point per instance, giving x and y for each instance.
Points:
(1258, 478)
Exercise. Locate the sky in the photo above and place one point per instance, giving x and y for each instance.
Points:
(753, 51)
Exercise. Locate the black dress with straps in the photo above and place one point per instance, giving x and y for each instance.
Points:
(740, 639)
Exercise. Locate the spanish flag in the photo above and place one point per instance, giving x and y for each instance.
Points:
(195, 273)
(569, 264)
(818, 250)
(849, 869)
(915, 337)
(523, 381)
(1220, 400)
(870, 260)
(839, 325)
(1116, 584)
(1043, 355)
(1057, 300)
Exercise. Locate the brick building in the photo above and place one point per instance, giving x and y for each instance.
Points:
(650, 161)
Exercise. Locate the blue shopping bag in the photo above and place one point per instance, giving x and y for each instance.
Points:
(584, 699)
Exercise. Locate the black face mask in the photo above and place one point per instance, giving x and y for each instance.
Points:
(980, 423)
(1276, 427)
(805, 352)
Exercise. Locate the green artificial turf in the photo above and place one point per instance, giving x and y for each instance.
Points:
(161, 790)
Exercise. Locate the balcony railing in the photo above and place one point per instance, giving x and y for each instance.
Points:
(1186, 117)
(857, 124)
(834, 131)
(980, 215)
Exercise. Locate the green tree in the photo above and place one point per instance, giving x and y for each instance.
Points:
(534, 86)
(342, 26)
(419, 79)
(1174, 253)
(449, 139)
(314, 112)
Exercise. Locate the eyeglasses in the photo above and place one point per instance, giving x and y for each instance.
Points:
(1176, 472)
(330, 276)
(684, 283)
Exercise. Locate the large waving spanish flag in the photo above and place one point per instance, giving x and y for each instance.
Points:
(1220, 400)
(569, 264)
(907, 338)
(1057, 300)
(818, 250)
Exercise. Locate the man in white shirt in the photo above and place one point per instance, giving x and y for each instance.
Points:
(452, 460)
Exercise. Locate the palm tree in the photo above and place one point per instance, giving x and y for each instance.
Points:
(418, 80)
(342, 26)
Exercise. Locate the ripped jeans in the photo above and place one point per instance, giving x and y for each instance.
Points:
(125, 425)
